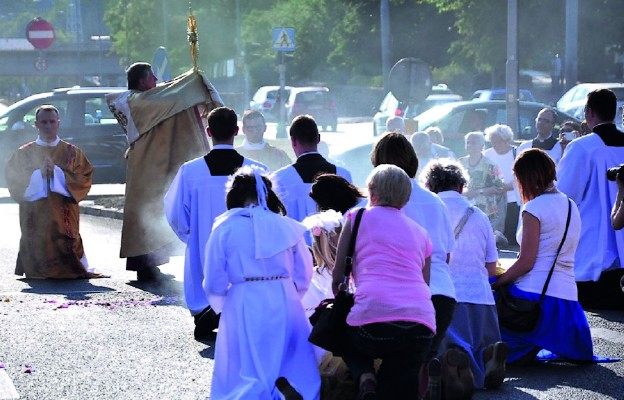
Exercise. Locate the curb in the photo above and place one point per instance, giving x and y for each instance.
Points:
(88, 207)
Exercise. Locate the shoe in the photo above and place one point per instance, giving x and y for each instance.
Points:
(152, 274)
(494, 358)
(457, 379)
(434, 380)
(501, 240)
(287, 390)
(368, 390)
(205, 324)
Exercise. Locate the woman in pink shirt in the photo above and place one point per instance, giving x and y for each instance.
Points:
(393, 318)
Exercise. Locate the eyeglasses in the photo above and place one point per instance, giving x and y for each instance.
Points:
(252, 127)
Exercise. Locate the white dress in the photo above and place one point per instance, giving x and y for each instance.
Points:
(263, 331)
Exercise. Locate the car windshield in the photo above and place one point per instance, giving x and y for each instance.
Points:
(433, 114)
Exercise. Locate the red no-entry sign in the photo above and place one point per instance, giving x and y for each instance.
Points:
(40, 33)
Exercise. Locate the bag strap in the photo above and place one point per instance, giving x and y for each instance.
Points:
(463, 221)
(552, 269)
(351, 249)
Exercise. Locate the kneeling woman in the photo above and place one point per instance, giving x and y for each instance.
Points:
(257, 284)
(562, 328)
(393, 318)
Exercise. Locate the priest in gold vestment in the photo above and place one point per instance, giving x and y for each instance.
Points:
(47, 178)
(165, 128)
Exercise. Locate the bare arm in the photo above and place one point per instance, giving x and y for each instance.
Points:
(341, 253)
(617, 213)
(426, 271)
(491, 268)
(528, 251)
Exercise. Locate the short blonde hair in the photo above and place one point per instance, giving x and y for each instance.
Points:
(388, 185)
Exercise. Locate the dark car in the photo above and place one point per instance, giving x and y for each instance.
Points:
(86, 122)
(457, 119)
(500, 94)
(316, 101)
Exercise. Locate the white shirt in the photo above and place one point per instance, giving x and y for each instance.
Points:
(474, 247)
(505, 164)
(581, 175)
(552, 211)
(554, 153)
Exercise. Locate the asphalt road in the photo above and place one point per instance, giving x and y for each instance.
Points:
(117, 339)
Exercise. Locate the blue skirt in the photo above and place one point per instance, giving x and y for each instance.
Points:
(474, 327)
(563, 330)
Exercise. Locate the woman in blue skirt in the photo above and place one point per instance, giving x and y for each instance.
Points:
(562, 328)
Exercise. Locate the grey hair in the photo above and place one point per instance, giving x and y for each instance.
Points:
(476, 134)
(502, 131)
(445, 174)
(388, 185)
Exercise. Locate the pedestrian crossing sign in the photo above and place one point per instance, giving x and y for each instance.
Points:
(284, 39)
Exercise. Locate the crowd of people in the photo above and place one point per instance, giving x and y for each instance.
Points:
(267, 239)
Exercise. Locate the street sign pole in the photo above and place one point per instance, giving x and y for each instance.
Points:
(283, 40)
(281, 127)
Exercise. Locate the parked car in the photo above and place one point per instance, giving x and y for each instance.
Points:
(86, 122)
(457, 119)
(391, 107)
(316, 101)
(499, 94)
(265, 98)
(573, 101)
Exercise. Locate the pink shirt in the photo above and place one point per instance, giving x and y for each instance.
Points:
(390, 252)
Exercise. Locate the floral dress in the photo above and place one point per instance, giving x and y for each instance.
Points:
(483, 175)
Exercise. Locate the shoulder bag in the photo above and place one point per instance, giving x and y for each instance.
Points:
(330, 316)
(522, 315)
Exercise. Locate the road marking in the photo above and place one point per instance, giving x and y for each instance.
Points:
(607, 334)
(7, 390)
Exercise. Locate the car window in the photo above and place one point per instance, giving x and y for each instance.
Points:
(580, 94)
(311, 97)
(23, 118)
(619, 93)
(97, 112)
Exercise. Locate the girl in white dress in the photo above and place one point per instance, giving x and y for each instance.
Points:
(259, 268)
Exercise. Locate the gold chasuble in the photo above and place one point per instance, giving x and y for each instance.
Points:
(50, 246)
(165, 129)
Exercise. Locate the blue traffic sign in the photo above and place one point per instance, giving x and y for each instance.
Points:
(284, 39)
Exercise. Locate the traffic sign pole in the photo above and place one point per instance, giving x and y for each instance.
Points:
(283, 40)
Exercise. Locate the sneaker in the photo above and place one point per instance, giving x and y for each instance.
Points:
(434, 380)
(457, 378)
(286, 389)
(205, 324)
(494, 358)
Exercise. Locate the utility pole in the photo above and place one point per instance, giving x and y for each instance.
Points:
(511, 72)
(384, 12)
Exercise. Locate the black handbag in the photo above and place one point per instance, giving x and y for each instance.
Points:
(329, 319)
(522, 315)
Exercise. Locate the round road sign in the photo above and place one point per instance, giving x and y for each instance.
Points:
(410, 80)
(40, 33)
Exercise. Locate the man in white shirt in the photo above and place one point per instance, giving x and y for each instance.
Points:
(581, 175)
(195, 198)
(545, 140)
(294, 181)
(255, 147)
